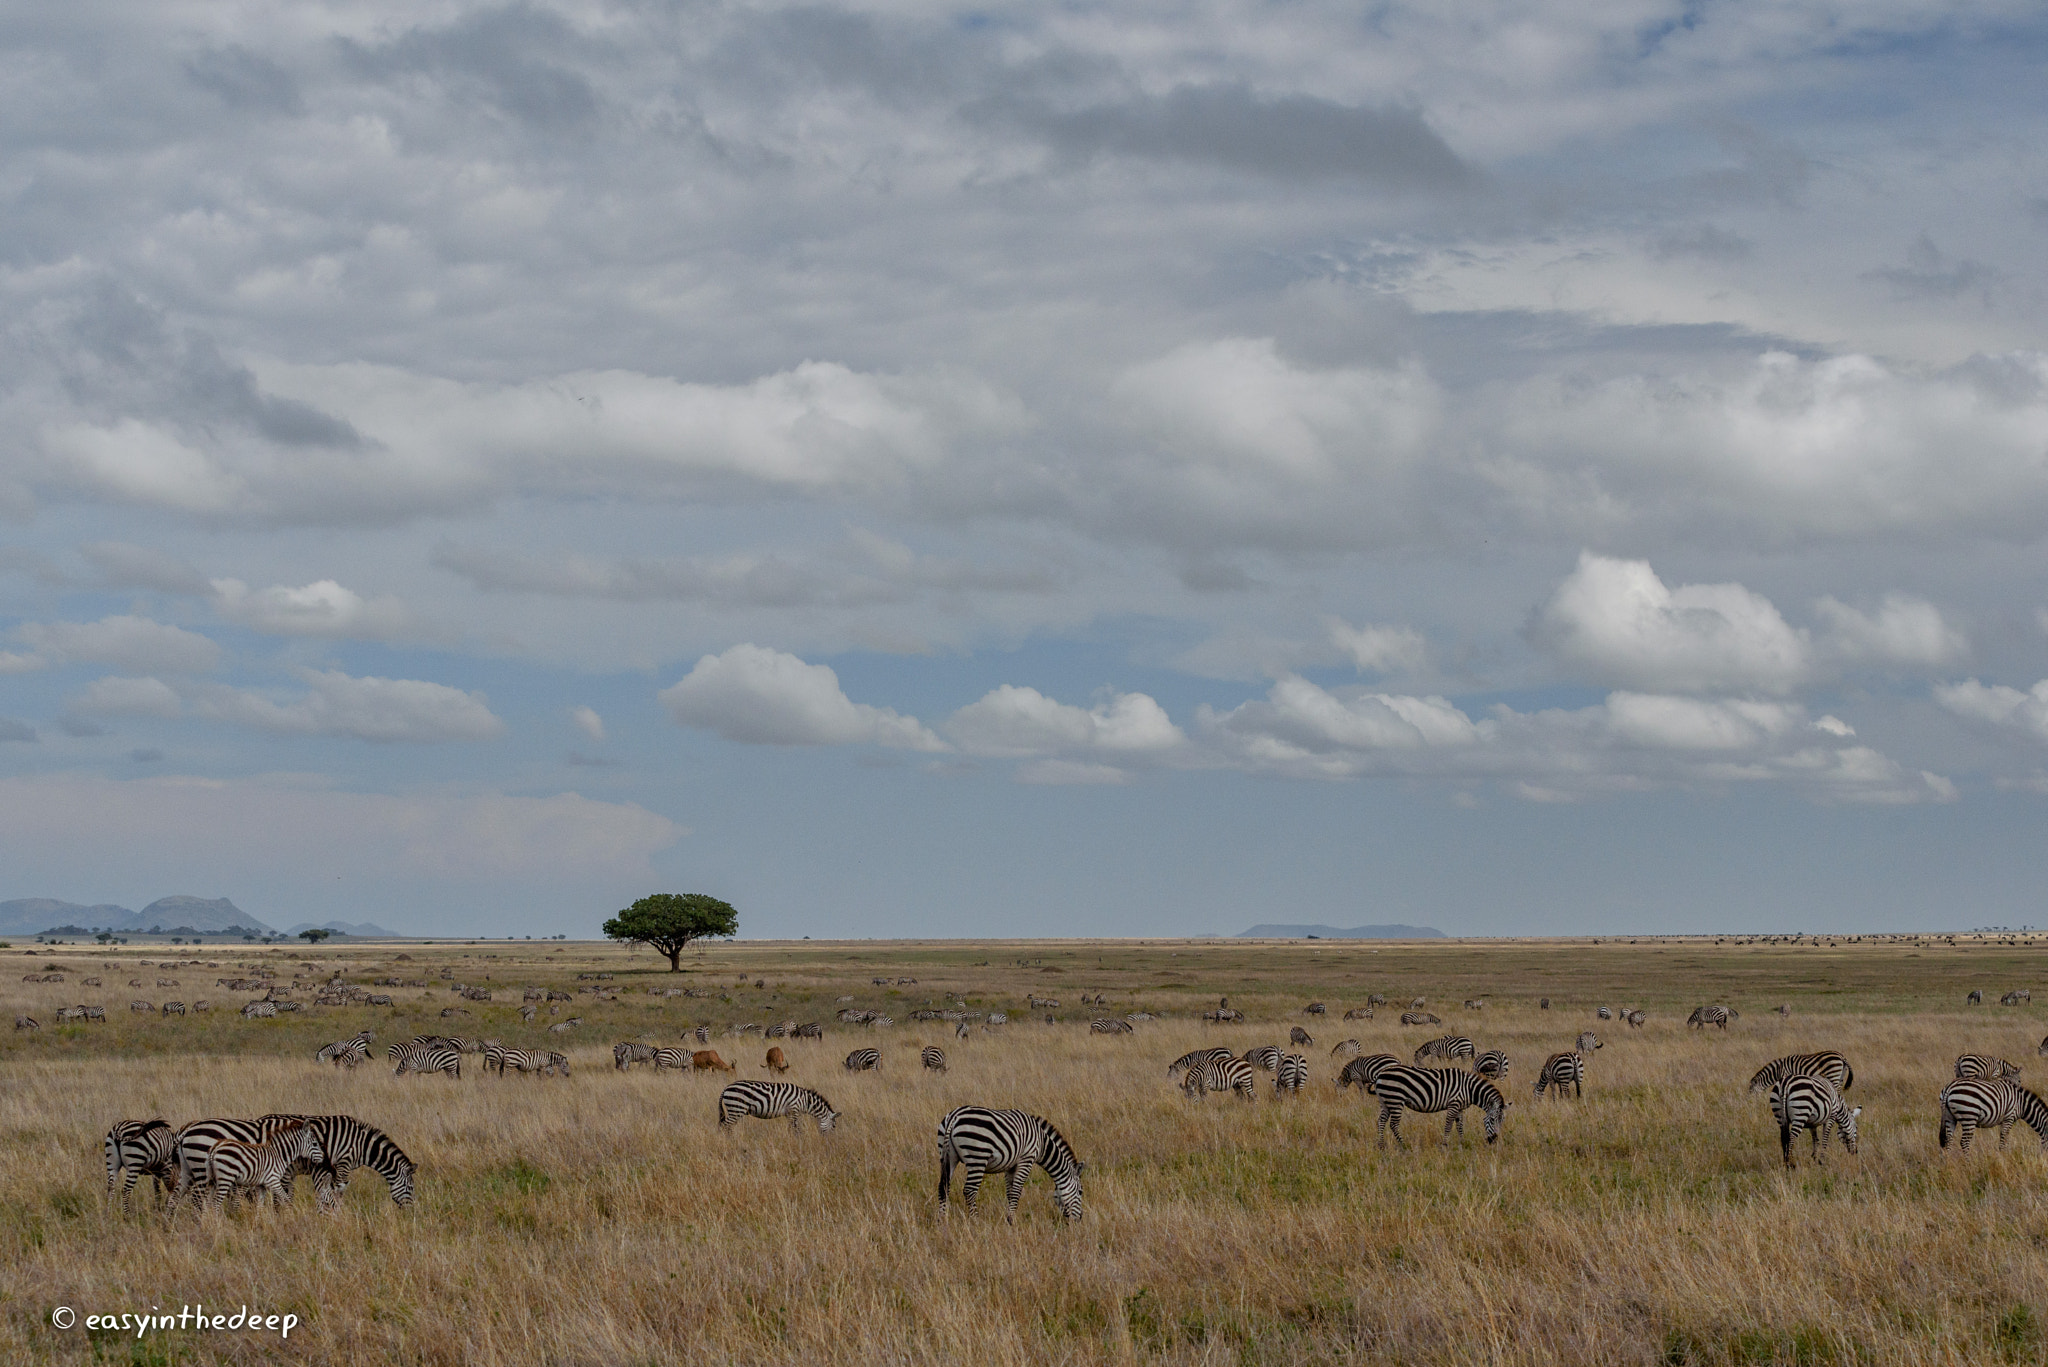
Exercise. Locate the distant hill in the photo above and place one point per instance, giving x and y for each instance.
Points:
(33, 915)
(363, 929)
(1332, 933)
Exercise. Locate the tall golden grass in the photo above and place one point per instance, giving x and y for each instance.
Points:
(603, 1219)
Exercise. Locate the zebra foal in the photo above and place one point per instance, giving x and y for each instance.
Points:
(141, 1148)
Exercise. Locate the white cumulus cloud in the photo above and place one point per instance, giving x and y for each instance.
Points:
(323, 608)
(588, 722)
(374, 709)
(761, 696)
(115, 696)
(1015, 722)
(1380, 649)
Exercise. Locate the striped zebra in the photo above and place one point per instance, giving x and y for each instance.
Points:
(1404, 1088)
(141, 1148)
(542, 1061)
(702, 1034)
(1493, 1064)
(351, 1144)
(934, 1058)
(983, 1141)
(1561, 1071)
(628, 1052)
(1297, 1037)
(195, 1144)
(1264, 1057)
(1291, 1075)
(771, 1101)
(424, 1058)
(1219, 1075)
(1970, 1103)
(1349, 1048)
(1588, 1042)
(1703, 1016)
(1823, 1063)
(1604, 1013)
(257, 1164)
(1194, 1058)
(1807, 1102)
(1363, 1072)
(347, 1053)
(1420, 1018)
(1448, 1048)
(1109, 1027)
(1359, 1013)
(678, 1059)
(1983, 1065)
(863, 1060)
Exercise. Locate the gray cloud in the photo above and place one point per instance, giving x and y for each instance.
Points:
(1928, 274)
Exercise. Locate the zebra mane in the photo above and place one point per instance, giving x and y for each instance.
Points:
(2033, 1110)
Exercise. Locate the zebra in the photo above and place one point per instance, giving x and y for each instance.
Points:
(540, 1061)
(1420, 1018)
(934, 1058)
(1346, 1049)
(231, 1163)
(347, 1053)
(629, 1052)
(1291, 1075)
(1448, 1048)
(1604, 1013)
(1363, 1072)
(1493, 1063)
(1194, 1058)
(1298, 1037)
(1635, 1019)
(1804, 1101)
(141, 1148)
(424, 1058)
(678, 1059)
(1219, 1075)
(1983, 1065)
(1265, 1057)
(1406, 1088)
(1359, 1013)
(1968, 1103)
(2042, 1050)
(863, 1060)
(1587, 1042)
(985, 1141)
(1561, 1071)
(771, 1101)
(350, 1144)
(1109, 1027)
(810, 1030)
(1703, 1016)
(1826, 1063)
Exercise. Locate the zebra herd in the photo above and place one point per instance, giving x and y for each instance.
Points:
(209, 1161)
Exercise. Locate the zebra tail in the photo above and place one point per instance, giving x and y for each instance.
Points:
(947, 1157)
(1848, 1075)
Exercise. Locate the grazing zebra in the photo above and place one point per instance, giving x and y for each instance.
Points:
(1298, 1036)
(1969, 1103)
(1265, 1057)
(142, 1148)
(31, 1023)
(985, 1141)
(1983, 1065)
(1110, 1027)
(863, 1060)
(1404, 1088)
(1346, 1049)
(527, 1013)
(1420, 1018)
(1805, 1102)
(1376, 999)
(262, 1165)
(1448, 1048)
(1359, 1013)
(960, 1030)
(1219, 1075)
(1976, 997)
(771, 1101)
(424, 1058)
(629, 1052)
(1314, 1009)
(1604, 1014)
(1291, 1075)
(2017, 997)
(678, 1059)
(1825, 1063)
(1635, 1019)
(934, 1058)
(1198, 1056)
(1363, 1072)
(540, 1061)
(1703, 1016)
(350, 1144)
(1561, 1071)
(1588, 1041)
(810, 1030)
(347, 1053)
(1493, 1063)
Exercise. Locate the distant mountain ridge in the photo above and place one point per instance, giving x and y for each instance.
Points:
(1333, 933)
(33, 915)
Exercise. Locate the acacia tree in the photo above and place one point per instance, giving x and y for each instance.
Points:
(668, 921)
(315, 936)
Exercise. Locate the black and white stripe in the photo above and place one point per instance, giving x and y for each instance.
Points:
(350, 1144)
(542, 1061)
(1265, 1057)
(347, 1053)
(1704, 1016)
(1561, 1071)
(1984, 1065)
(984, 1141)
(1361, 1072)
(1588, 1042)
(1407, 1088)
(257, 1165)
(1108, 1026)
(772, 1100)
(1970, 1103)
(1348, 1048)
(425, 1058)
(628, 1052)
(1493, 1063)
(933, 1058)
(1298, 1037)
(1806, 1102)
(1448, 1048)
(863, 1060)
(1291, 1075)
(141, 1148)
(1220, 1075)
(1198, 1056)
(1822, 1063)
(681, 1060)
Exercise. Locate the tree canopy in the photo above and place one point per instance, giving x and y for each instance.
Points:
(668, 921)
(314, 936)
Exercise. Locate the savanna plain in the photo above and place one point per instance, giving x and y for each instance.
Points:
(603, 1218)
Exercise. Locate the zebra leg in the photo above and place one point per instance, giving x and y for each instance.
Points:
(1947, 1127)
(2004, 1132)
(1969, 1131)
(1578, 1089)
(945, 1175)
(970, 1185)
(1016, 1192)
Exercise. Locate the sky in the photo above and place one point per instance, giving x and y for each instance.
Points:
(930, 470)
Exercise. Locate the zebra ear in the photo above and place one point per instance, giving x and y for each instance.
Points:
(1853, 1114)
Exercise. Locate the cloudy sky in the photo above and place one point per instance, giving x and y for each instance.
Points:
(908, 469)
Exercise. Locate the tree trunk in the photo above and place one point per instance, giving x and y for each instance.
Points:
(675, 958)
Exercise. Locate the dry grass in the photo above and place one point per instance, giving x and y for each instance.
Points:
(604, 1220)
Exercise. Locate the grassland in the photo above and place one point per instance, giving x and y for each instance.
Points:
(602, 1219)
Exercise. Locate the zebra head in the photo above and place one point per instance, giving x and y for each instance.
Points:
(1846, 1123)
(297, 1143)
(827, 1120)
(1764, 1076)
(1493, 1108)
